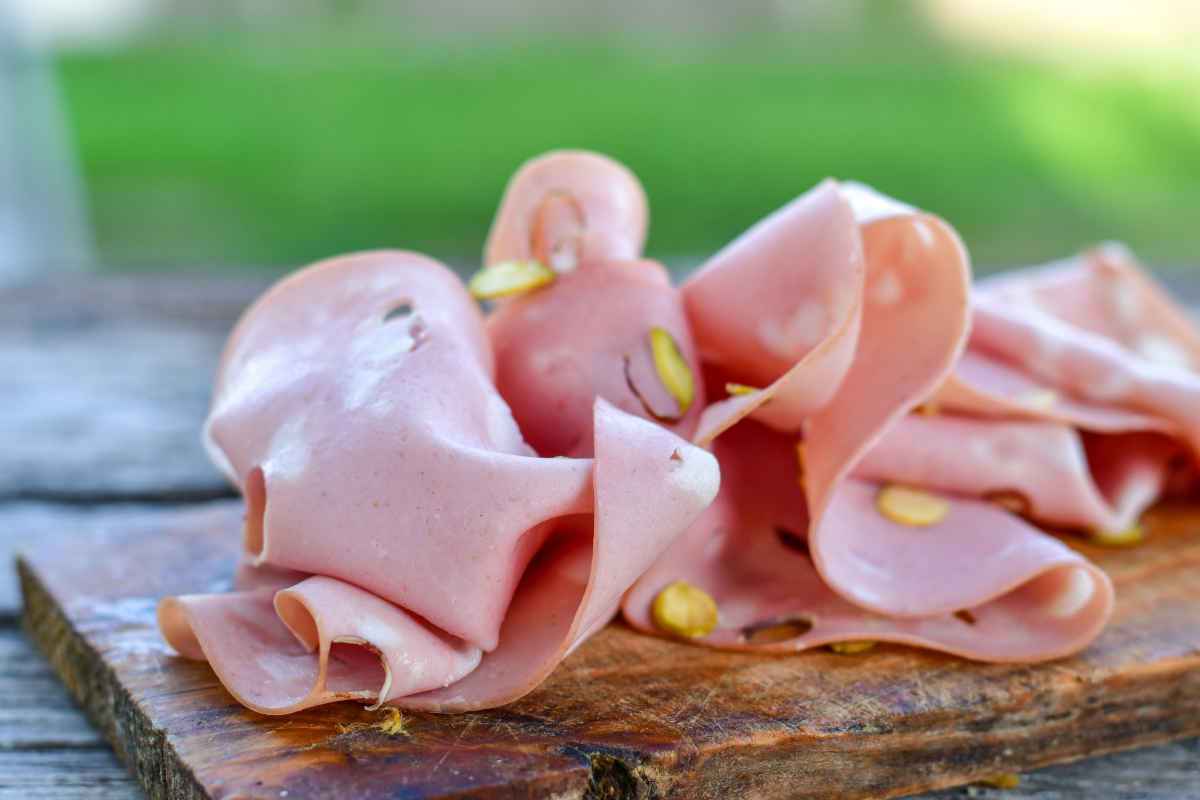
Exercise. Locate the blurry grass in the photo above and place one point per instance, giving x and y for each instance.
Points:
(204, 153)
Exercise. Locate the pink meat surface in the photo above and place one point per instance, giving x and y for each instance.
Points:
(569, 207)
(1096, 334)
(355, 406)
(780, 310)
(587, 334)
(748, 551)
(903, 279)
(1094, 343)
(440, 509)
(1045, 466)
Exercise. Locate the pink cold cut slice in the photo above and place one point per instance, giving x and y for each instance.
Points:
(588, 335)
(862, 576)
(984, 386)
(1096, 334)
(355, 404)
(568, 208)
(744, 551)
(1046, 465)
(780, 308)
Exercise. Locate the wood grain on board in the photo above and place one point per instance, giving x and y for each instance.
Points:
(627, 715)
(105, 384)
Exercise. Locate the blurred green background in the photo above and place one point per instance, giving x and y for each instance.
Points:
(277, 143)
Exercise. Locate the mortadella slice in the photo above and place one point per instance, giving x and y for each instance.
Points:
(649, 487)
(1045, 468)
(780, 308)
(1100, 304)
(354, 405)
(567, 208)
(1105, 291)
(1087, 365)
(869, 576)
(586, 335)
(591, 331)
(748, 552)
(982, 385)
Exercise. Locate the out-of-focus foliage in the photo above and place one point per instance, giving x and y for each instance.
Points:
(256, 150)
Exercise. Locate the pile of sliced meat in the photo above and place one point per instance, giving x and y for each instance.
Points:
(825, 436)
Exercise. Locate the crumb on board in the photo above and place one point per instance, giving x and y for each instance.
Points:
(394, 723)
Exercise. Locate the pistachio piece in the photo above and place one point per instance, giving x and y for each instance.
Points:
(800, 463)
(911, 506)
(672, 368)
(851, 648)
(778, 630)
(509, 278)
(929, 409)
(738, 389)
(1004, 780)
(684, 610)
(1133, 535)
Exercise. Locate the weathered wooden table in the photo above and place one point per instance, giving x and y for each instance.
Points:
(103, 383)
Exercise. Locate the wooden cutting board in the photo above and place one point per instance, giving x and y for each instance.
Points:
(626, 716)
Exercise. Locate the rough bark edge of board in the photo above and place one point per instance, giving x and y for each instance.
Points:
(143, 748)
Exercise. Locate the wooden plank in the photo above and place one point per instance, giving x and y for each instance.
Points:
(106, 383)
(24, 524)
(35, 710)
(65, 775)
(1167, 772)
(626, 715)
(37, 714)
(63, 759)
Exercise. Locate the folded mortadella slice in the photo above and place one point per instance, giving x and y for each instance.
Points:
(1087, 365)
(355, 407)
(748, 552)
(1047, 469)
(569, 207)
(984, 386)
(780, 308)
(913, 333)
(1101, 298)
(878, 578)
(588, 334)
(1105, 291)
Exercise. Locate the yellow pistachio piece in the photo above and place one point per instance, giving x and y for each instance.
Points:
(684, 610)
(1005, 780)
(672, 368)
(800, 462)
(1129, 537)
(1039, 399)
(911, 506)
(738, 389)
(851, 648)
(509, 278)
